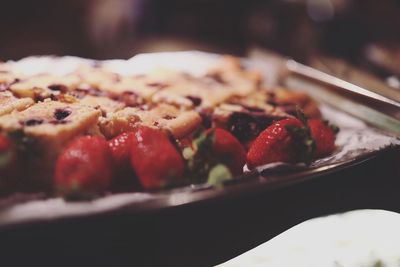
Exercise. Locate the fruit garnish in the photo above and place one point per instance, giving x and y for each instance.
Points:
(324, 136)
(155, 160)
(120, 147)
(218, 175)
(84, 168)
(124, 177)
(284, 141)
(228, 150)
(293, 140)
(213, 147)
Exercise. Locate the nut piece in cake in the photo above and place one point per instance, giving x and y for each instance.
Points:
(9, 103)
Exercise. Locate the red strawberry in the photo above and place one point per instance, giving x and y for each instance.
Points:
(84, 168)
(7, 152)
(154, 158)
(229, 150)
(124, 177)
(120, 147)
(278, 143)
(324, 137)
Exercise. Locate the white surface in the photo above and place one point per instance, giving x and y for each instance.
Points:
(353, 239)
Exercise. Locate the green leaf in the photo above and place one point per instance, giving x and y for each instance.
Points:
(218, 175)
(304, 143)
(188, 153)
(6, 158)
(204, 141)
(301, 116)
(378, 263)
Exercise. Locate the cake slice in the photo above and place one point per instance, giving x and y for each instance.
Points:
(52, 122)
(40, 87)
(226, 81)
(179, 122)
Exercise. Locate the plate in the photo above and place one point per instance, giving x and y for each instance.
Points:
(356, 142)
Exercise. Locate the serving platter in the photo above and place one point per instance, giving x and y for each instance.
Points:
(36, 216)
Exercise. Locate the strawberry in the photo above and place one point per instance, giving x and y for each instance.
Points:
(124, 177)
(155, 159)
(286, 140)
(120, 147)
(84, 168)
(228, 150)
(324, 137)
(7, 152)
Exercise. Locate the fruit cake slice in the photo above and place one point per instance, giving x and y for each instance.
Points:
(42, 86)
(52, 122)
(105, 104)
(209, 90)
(162, 116)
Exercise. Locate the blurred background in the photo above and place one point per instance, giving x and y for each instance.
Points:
(364, 33)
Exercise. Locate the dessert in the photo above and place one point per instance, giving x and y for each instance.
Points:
(93, 131)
